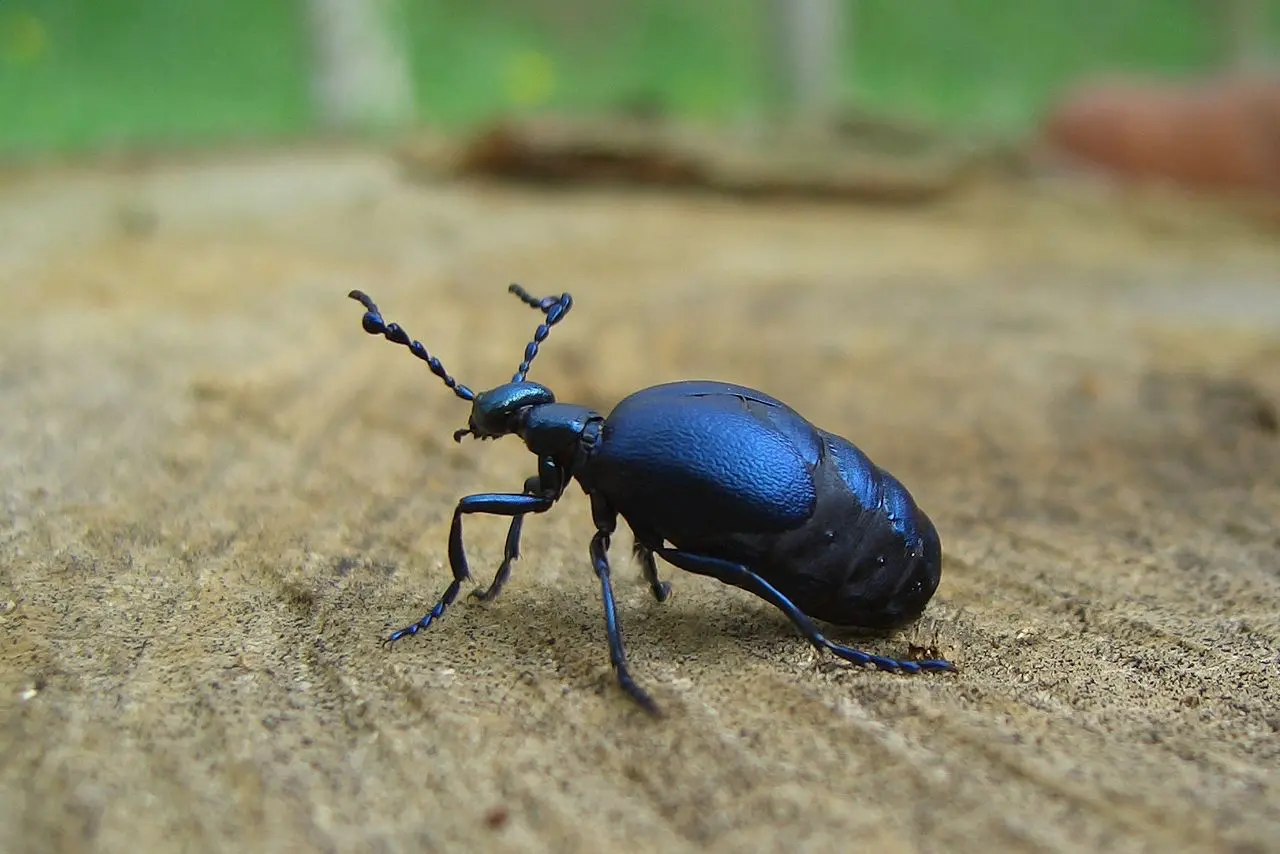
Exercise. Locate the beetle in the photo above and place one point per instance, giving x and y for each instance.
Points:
(716, 479)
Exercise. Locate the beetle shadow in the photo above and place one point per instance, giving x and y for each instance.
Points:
(671, 628)
(728, 624)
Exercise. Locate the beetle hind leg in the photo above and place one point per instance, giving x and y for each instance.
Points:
(649, 567)
(741, 577)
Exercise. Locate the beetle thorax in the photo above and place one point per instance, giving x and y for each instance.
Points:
(563, 431)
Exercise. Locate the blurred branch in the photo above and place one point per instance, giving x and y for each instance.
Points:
(809, 36)
(1243, 24)
(361, 76)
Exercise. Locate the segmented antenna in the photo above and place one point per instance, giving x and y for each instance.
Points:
(375, 325)
(555, 308)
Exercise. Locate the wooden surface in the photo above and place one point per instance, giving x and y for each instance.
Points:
(219, 494)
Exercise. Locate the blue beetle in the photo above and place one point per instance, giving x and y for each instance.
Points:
(714, 478)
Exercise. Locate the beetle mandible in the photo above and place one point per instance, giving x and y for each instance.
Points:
(716, 479)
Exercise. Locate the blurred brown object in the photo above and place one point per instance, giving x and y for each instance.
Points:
(519, 153)
(617, 152)
(1219, 134)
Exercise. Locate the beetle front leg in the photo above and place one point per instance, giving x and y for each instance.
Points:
(494, 503)
(510, 552)
(549, 483)
(741, 577)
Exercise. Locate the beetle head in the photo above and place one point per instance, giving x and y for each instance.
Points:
(499, 411)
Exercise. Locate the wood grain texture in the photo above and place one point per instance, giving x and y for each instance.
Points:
(220, 494)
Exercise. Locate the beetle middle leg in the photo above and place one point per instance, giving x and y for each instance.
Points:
(494, 503)
(741, 577)
(617, 654)
(606, 523)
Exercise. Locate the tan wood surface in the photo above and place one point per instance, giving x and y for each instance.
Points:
(219, 494)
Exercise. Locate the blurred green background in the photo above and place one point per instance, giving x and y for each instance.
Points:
(79, 74)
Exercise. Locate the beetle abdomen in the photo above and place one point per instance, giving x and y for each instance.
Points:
(872, 558)
(727, 472)
(868, 556)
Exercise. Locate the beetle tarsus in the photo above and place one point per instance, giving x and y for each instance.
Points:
(430, 617)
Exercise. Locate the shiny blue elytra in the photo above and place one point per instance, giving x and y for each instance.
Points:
(714, 478)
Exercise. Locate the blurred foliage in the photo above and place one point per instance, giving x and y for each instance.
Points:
(22, 39)
(80, 73)
(118, 71)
